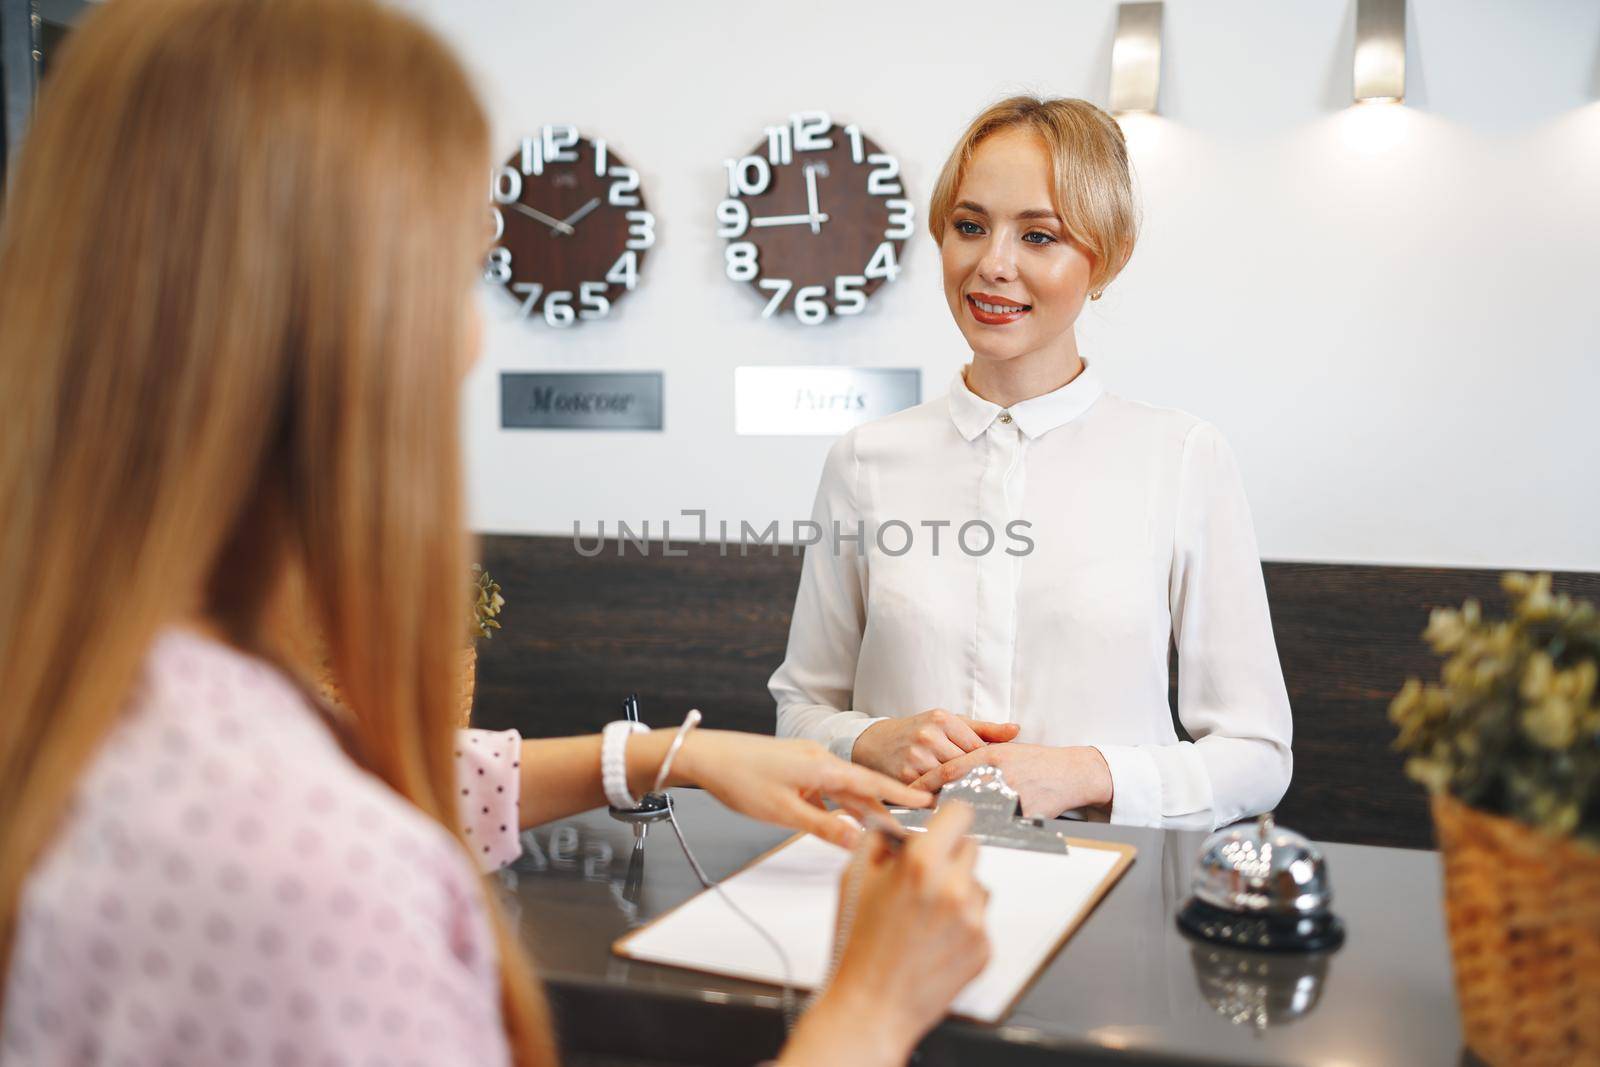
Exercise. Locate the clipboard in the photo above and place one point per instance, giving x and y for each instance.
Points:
(792, 891)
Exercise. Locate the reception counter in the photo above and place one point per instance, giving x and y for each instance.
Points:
(1126, 988)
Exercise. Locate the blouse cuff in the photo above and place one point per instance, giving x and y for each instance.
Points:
(843, 740)
(489, 780)
(1135, 785)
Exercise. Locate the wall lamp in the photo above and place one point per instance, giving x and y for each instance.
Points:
(1136, 59)
(1380, 70)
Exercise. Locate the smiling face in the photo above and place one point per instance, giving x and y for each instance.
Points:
(1014, 278)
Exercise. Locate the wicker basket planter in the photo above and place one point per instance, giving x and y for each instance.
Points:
(1524, 916)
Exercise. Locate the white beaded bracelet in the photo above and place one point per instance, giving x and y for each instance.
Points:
(614, 762)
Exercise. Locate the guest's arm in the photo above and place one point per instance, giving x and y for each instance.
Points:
(508, 784)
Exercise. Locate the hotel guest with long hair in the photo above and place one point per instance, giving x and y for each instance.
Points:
(235, 312)
(1049, 663)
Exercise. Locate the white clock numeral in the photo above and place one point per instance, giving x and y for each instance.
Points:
(560, 144)
(626, 184)
(885, 169)
(848, 295)
(507, 185)
(499, 223)
(748, 176)
(810, 131)
(741, 257)
(532, 155)
(600, 158)
(592, 295)
(641, 230)
(857, 149)
(883, 264)
(900, 226)
(809, 305)
(530, 292)
(733, 218)
(498, 269)
(558, 308)
(780, 146)
(779, 287)
(625, 271)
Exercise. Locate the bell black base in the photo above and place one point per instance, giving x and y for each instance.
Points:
(1261, 933)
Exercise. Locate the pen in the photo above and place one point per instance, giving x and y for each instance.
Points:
(893, 832)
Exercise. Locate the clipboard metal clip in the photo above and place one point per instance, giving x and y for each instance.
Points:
(996, 817)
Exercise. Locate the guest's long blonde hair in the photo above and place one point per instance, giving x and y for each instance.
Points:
(235, 270)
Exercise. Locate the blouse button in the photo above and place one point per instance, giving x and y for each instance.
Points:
(1005, 417)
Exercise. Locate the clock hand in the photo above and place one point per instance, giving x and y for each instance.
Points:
(555, 224)
(791, 220)
(811, 199)
(582, 211)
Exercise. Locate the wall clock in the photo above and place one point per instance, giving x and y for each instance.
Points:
(571, 228)
(815, 217)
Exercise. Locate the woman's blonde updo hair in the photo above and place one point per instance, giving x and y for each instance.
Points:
(1089, 160)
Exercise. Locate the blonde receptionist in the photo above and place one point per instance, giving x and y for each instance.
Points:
(1034, 543)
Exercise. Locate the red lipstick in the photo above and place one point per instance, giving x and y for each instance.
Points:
(995, 310)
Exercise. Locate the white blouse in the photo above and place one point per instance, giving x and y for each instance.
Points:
(1137, 534)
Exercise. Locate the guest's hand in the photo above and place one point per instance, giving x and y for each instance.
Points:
(911, 747)
(917, 939)
(1049, 780)
(785, 782)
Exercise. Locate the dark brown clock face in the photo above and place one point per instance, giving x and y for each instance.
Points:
(571, 227)
(816, 218)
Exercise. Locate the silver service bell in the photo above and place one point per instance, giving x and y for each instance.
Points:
(1262, 887)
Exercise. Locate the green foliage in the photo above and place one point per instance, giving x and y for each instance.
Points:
(487, 603)
(1512, 727)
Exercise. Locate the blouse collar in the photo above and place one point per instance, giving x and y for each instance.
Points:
(1035, 416)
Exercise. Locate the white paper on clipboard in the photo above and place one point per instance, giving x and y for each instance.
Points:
(1036, 900)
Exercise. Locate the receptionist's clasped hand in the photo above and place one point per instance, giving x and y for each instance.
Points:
(909, 748)
(1049, 780)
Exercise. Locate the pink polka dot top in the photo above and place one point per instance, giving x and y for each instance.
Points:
(228, 887)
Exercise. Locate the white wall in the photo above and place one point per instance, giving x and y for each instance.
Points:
(1393, 313)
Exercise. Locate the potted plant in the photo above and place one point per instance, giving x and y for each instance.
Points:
(486, 606)
(1508, 744)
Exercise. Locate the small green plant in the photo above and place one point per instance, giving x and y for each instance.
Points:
(1512, 727)
(487, 603)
